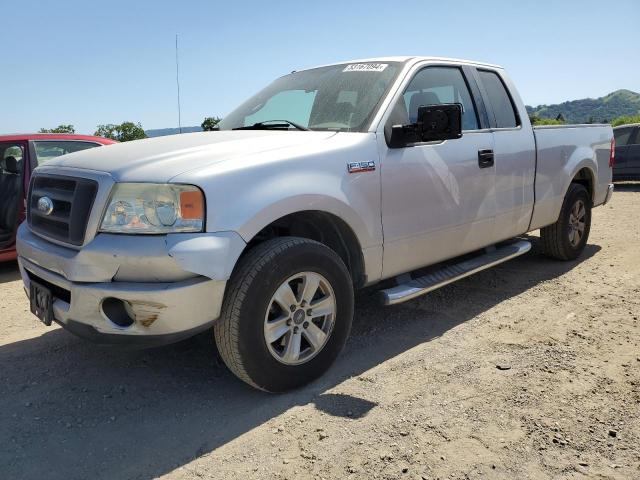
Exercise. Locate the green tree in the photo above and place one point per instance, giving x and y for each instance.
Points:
(625, 120)
(107, 131)
(124, 132)
(535, 120)
(560, 118)
(59, 129)
(210, 123)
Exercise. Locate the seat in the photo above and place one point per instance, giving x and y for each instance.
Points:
(421, 99)
(10, 196)
(343, 112)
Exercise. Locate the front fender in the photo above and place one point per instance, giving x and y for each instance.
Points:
(246, 195)
(249, 193)
(307, 202)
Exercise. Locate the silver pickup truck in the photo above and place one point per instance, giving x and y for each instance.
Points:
(406, 172)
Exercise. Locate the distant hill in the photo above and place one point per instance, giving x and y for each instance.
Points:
(616, 104)
(161, 132)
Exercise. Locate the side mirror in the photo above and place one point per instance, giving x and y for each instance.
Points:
(435, 123)
(440, 122)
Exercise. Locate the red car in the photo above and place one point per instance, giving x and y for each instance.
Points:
(19, 155)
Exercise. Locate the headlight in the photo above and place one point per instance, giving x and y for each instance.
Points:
(154, 208)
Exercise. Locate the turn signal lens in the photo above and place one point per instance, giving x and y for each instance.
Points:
(192, 205)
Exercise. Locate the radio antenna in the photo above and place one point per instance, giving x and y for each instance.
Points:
(178, 86)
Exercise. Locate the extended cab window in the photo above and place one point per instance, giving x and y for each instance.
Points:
(501, 104)
(434, 86)
(46, 150)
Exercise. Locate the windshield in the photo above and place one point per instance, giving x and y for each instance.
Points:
(339, 97)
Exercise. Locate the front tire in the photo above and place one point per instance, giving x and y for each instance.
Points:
(286, 315)
(566, 239)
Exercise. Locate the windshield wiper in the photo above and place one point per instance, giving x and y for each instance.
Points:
(271, 124)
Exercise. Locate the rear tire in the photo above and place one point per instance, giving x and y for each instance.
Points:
(274, 346)
(566, 239)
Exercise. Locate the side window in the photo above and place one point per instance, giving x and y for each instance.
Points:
(11, 159)
(636, 140)
(46, 150)
(499, 99)
(436, 85)
(14, 151)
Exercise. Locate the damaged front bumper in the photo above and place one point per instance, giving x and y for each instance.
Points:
(169, 287)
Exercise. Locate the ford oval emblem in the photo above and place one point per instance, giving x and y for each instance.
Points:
(45, 205)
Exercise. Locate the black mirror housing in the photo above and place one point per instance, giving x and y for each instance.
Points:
(435, 123)
(403, 136)
(440, 122)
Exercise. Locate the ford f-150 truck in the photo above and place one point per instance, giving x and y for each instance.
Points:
(404, 172)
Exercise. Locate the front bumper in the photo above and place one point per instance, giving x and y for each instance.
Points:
(168, 284)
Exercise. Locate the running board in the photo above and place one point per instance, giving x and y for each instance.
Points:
(450, 273)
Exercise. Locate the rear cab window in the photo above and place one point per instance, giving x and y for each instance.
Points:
(623, 136)
(48, 149)
(499, 100)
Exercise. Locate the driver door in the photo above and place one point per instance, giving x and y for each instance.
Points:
(438, 198)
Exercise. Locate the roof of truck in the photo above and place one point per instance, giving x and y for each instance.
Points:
(403, 59)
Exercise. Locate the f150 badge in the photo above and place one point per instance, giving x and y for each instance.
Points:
(356, 167)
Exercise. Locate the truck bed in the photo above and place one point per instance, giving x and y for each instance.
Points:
(561, 151)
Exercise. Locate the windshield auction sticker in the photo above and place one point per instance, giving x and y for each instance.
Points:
(365, 67)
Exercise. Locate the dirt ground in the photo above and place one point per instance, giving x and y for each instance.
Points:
(528, 370)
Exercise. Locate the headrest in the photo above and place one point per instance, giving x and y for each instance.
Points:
(12, 165)
(345, 107)
(421, 99)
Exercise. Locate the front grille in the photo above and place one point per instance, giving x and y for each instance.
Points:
(72, 199)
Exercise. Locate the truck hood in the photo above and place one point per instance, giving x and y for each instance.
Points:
(162, 158)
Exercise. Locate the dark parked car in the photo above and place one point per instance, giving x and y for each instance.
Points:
(19, 155)
(627, 166)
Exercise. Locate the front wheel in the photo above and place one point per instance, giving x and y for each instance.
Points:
(566, 239)
(287, 314)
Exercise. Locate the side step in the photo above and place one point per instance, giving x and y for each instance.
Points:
(452, 272)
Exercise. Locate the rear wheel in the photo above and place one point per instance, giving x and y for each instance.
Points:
(287, 314)
(566, 239)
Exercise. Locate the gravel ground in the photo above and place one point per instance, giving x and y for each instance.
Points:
(528, 370)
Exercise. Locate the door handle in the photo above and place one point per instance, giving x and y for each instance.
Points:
(485, 158)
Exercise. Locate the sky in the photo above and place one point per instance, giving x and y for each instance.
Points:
(74, 62)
